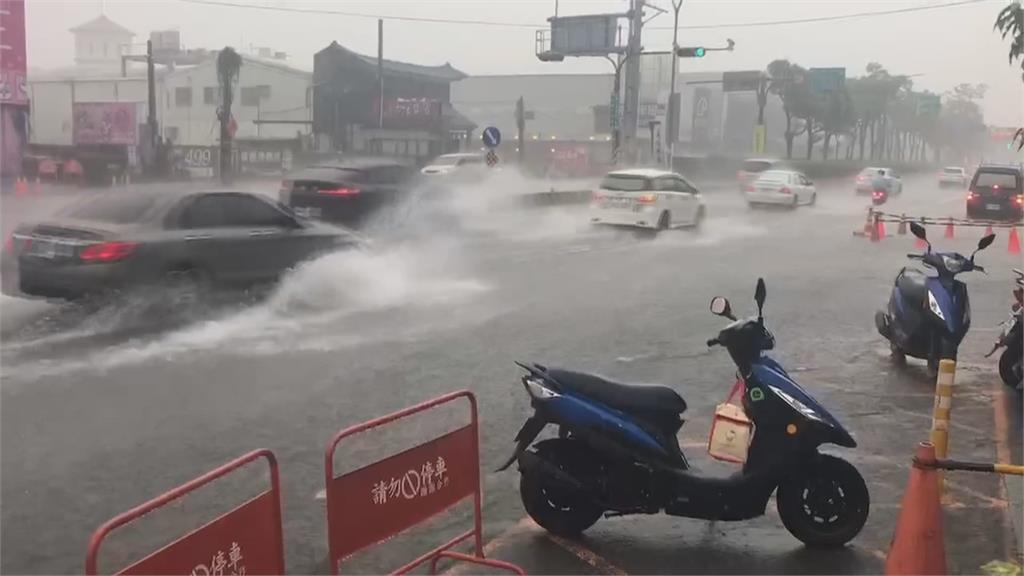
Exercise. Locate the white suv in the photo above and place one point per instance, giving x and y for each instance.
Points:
(952, 176)
(647, 198)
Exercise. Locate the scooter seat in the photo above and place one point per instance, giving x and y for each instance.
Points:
(633, 398)
(911, 283)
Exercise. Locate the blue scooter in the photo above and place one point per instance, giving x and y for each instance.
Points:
(617, 450)
(928, 316)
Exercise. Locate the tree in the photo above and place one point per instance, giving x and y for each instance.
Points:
(786, 80)
(1010, 22)
(229, 63)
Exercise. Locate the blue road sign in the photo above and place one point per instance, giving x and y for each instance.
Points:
(827, 79)
(491, 137)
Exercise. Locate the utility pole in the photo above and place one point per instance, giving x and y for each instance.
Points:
(156, 154)
(380, 71)
(671, 115)
(631, 102)
(521, 128)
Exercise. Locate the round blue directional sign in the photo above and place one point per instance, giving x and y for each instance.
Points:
(491, 137)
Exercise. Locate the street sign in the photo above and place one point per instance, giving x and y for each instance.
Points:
(492, 158)
(743, 81)
(928, 104)
(823, 80)
(491, 137)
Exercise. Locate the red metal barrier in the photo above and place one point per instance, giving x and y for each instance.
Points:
(244, 541)
(380, 500)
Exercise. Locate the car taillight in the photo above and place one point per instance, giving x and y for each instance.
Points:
(1020, 199)
(877, 194)
(107, 251)
(646, 199)
(340, 191)
(785, 190)
(972, 195)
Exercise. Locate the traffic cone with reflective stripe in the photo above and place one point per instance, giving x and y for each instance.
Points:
(1013, 246)
(876, 229)
(949, 229)
(918, 545)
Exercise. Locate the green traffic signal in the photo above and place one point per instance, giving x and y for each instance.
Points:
(691, 52)
(698, 52)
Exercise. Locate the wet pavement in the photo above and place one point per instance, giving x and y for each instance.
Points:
(98, 416)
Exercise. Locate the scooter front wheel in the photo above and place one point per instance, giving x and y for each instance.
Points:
(825, 504)
(558, 508)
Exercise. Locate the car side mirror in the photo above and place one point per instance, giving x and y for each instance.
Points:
(720, 307)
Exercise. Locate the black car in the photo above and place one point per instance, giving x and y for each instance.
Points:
(996, 192)
(141, 238)
(347, 192)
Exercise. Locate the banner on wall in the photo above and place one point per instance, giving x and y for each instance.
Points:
(104, 123)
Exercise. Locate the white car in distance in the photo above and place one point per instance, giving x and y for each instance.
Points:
(647, 198)
(781, 187)
(953, 176)
(463, 166)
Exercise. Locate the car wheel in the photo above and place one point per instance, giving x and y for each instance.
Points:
(185, 287)
(794, 203)
(814, 199)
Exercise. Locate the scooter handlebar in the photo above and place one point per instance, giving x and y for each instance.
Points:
(713, 342)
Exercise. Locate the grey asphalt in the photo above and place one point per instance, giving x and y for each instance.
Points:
(97, 415)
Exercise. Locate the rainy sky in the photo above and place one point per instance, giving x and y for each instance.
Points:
(943, 46)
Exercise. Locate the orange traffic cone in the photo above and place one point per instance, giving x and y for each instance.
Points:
(989, 230)
(1013, 246)
(21, 187)
(876, 229)
(918, 545)
(949, 229)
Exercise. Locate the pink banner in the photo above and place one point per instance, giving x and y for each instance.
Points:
(104, 123)
(13, 64)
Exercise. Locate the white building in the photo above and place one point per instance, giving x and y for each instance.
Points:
(272, 101)
(100, 42)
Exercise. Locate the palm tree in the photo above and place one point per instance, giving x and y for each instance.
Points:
(1010, 22)
(228, 65)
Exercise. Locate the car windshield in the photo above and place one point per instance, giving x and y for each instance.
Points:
(953, 170)
(756, 165)
(329, 174)
(624, 183)
(448, 160)
(773, 176)
(119, 208)
(996, 179)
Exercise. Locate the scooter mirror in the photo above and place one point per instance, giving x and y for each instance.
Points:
(918, 230)
(986, 241)
(760, 293)
(720, 307)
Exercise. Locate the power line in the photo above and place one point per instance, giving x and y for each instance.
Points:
(363, 14)
(426, 19)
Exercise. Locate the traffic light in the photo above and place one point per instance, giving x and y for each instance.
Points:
(690, 52)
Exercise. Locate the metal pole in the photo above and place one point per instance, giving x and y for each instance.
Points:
(151, 102)
(632, 98)
(670, 116)
(614, 112)
(380, 71)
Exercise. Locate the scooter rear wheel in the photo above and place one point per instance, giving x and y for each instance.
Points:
(826, 504)
(559, 509)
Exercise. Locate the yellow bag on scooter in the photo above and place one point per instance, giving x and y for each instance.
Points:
(730, 430)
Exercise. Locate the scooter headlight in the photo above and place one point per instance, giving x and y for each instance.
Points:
(536, 389)
(933, 305)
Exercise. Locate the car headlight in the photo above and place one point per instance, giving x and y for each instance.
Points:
(933, 304)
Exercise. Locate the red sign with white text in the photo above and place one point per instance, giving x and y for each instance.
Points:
(13, 62)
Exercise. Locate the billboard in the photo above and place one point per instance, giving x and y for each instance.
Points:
(13, 87)
(584, 35)
(104, 123)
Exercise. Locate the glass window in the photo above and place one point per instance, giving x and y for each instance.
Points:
(683, 185)
(183, 97)
(251, 95)
(665, 183)
(114, 208)
(231, 210)
(625, 183)
(993, 179)
(756, 165)
(211, 95)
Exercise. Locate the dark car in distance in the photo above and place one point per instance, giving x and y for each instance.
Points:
(156, 238)
(996, 192)
(347, 191)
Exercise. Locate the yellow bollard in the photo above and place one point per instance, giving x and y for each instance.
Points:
(940, 413)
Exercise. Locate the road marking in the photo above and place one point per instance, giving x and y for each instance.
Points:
(596, 561)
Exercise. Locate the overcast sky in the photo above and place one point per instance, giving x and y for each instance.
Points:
(945, 46)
